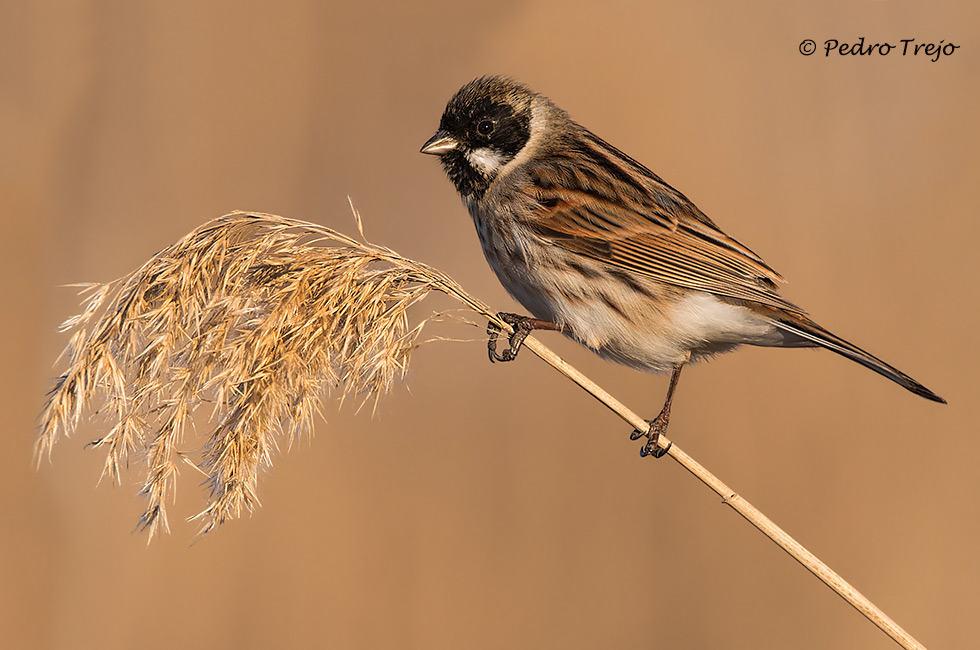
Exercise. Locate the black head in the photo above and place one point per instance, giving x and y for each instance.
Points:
(485, 125)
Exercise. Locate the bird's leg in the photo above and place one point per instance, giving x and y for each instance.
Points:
(658, 426)
(522, 327)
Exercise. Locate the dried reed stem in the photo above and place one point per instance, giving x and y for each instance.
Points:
(739, 504)
(254, 314)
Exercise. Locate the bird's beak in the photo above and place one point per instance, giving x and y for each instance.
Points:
(439, 144)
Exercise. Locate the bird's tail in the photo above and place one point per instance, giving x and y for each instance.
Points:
(810, 332)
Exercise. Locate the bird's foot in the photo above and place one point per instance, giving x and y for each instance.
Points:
(522, 327)
(652, 447)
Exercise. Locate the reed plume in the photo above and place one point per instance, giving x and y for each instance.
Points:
(251, 317)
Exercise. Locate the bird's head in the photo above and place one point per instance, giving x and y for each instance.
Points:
(485, 125)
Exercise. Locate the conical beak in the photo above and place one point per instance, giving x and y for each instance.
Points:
(439, 144)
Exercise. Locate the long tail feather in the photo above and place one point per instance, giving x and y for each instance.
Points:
(810, 331)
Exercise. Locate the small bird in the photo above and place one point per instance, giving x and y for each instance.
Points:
(600, 248)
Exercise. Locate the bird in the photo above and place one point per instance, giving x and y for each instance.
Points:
(598, 247)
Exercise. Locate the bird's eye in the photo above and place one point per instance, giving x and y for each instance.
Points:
(485, 127)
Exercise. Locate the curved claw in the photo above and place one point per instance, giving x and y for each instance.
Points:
(493, 332)
(503, 357)
(658, 451)
(637, 434)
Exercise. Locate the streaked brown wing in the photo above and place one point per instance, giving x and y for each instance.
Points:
(601, 204)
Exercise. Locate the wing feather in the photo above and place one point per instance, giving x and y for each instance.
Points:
(596, 201)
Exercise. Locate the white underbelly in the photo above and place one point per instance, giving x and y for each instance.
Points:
(649, 332)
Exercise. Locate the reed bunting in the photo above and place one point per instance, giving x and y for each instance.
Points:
(598, 247)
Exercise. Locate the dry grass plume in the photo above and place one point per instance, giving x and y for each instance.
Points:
(250, 316)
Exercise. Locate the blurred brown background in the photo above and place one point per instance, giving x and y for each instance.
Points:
(496, 506)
